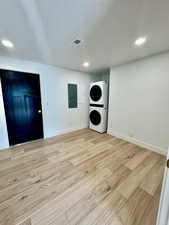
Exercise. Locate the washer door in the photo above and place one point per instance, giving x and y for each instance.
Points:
(95, 117)
(95, 93)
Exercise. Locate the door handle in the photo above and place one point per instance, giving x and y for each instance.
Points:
(168, 163)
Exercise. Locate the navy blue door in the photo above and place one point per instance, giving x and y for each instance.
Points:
(22, 102)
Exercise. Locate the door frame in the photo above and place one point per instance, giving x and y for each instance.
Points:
(163, 211)
(2, 108)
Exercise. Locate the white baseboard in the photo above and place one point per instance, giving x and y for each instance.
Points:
(66, 130)
(139, 143)
(58, 132)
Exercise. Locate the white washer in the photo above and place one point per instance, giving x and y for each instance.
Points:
(98, 119)
(98, 93)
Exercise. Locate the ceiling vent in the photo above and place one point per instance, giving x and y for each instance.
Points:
(77, 42)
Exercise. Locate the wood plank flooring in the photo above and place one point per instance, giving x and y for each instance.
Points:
(80, 178)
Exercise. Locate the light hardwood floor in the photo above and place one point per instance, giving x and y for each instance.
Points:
(81, 178)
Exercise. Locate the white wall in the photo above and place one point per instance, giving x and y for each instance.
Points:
(57, 118)
(102, 76)
(3, 129)
(139, 102)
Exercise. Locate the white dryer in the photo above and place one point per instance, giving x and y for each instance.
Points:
(98, 119)
(98, 93)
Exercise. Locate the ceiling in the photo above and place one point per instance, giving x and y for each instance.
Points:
(44, 30)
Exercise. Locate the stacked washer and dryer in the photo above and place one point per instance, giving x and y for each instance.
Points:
(98, 106)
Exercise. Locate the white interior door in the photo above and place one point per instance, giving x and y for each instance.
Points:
(163, 213)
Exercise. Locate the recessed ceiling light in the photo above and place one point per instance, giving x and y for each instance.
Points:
(7, 43)
(140, 41)
(86, 64)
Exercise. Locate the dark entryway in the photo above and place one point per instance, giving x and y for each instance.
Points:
(22, 102)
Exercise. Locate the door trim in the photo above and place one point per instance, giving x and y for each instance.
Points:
(4, 120)
(163, 211)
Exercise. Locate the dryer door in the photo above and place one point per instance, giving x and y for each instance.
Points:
(95, 93)
(95, 117)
